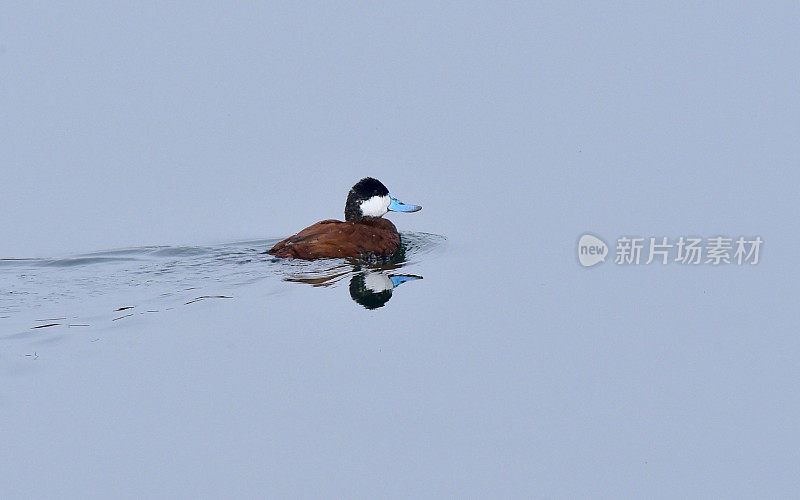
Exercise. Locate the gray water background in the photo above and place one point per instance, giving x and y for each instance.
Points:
(508, 370)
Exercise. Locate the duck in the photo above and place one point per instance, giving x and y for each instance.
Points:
(364, 233)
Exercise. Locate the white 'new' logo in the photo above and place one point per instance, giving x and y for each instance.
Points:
(591, 250)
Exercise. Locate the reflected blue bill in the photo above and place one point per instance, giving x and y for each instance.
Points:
(402, 278)
(398, 206)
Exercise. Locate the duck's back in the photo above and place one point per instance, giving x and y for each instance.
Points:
(333, 238)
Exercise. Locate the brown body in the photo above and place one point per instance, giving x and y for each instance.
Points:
(330, 238)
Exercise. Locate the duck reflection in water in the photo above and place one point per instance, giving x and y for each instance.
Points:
(373, 289)
(371, 285)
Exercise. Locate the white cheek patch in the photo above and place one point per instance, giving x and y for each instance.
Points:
(377, 282)
(375, 206)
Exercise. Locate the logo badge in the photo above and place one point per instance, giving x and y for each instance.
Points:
(591, 250)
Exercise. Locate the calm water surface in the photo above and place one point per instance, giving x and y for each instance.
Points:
(457, 368)
(62, 292)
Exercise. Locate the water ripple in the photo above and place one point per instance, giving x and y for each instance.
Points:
(158, 278)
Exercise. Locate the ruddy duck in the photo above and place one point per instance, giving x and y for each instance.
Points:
(363, 234)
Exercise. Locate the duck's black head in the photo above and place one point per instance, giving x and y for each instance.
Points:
(370, 198)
